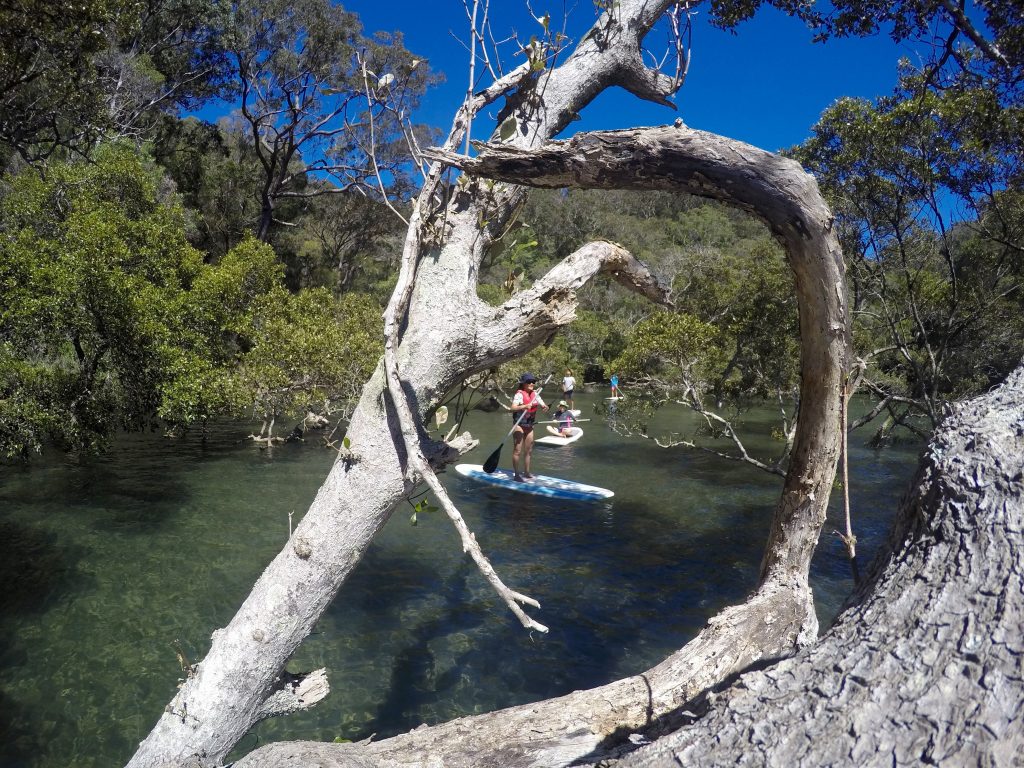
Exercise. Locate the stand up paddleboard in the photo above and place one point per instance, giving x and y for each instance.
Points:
(540, 485)
(575, 433)
(615, 398)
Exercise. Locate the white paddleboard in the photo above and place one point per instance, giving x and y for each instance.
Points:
(575, 433)
(540, 485)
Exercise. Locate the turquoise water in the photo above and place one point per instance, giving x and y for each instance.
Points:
(110, 565)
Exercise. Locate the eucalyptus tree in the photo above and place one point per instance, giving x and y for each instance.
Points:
(318, 97)
(437, 332)
(927, 184)
(72, 75)
(50, 92)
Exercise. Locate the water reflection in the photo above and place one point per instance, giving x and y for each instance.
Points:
(107, 564)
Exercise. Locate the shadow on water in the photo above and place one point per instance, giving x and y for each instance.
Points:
(417, 676)
(37, 573)
(35, 569)
(601, 577)
(107, 563)
(14, 735)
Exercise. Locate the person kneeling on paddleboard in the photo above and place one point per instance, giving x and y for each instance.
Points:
(564, 418)
(524, 407)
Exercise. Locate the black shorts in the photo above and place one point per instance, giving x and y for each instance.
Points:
(568, 394)
(525, 423)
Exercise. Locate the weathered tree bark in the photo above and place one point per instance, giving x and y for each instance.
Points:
(447, 334)
(926, 667)
(229, 690)
(779, 617)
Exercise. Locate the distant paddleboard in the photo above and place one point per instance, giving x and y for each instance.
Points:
(540, 485)
(615, 398)
(575, 433)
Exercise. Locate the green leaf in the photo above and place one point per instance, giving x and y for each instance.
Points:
(346, 442)
(412, 519)
(508, 128)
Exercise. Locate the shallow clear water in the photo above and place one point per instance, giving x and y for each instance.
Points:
(106, 565)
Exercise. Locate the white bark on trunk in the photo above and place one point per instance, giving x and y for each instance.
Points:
(448, 334)
(779, 617)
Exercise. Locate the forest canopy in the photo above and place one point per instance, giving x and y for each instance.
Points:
(158, 269)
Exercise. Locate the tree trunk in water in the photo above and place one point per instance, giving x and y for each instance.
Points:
(923, 668)
(240, 681)
(779, 617)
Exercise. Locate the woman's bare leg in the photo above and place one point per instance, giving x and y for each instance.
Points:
(517, 447)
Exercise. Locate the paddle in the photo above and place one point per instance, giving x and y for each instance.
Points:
(492, 461)
(574, 421)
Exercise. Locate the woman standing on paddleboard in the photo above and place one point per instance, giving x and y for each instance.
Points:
(528, 400)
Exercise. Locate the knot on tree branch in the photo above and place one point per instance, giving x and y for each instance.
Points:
(439, 453)
(295, 692)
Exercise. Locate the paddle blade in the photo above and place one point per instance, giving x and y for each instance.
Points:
(492, 461)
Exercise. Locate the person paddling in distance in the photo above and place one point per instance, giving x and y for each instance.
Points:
(564, 418)
(568, 387)
(524, 407)
(615, 386)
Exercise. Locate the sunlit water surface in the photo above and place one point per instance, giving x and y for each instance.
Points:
(106, 565)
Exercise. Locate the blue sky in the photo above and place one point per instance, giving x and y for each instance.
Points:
(766, 84)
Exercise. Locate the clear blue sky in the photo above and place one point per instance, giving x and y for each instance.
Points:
(766, 84)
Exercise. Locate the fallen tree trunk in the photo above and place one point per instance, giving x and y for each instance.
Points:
(926, 667)
(779, 617)
(445, 334)
(438, 332)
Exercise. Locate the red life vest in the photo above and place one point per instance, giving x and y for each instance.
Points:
(530, 400)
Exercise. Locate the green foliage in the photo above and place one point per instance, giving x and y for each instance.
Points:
(671, 344)
(937, 300)
(423, 506)
(91, 268)
(255, 348)
(50, 83)
(71, 73)
(729, 280)
(309, 349)
(588, 338)
(109, 317)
